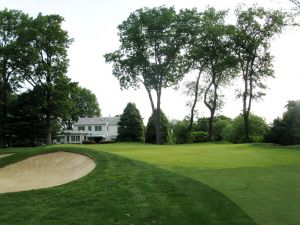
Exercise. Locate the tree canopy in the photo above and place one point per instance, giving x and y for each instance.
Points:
(255, 29)
(286, 130)
(150, 53)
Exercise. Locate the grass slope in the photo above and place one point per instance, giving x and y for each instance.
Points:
(119, 191)
(263, 180)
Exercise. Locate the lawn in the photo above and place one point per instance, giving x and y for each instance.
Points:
(263, 180)
(170, 184)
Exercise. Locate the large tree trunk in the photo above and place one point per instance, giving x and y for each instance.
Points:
(4, 118)
(158, 121)
(246, 109)
(48, 110)
(246, 128)
(48, 129)
(4, 105)
(194, 103)
(212, 107)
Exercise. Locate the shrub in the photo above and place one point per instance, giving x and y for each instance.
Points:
(200, 136)
(88, 142)
(181, 133)
(258, 128)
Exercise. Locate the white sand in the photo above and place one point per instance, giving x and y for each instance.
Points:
(45, 170)
(4, 155)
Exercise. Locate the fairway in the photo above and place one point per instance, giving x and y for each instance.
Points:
(264, 181)
(169, 184)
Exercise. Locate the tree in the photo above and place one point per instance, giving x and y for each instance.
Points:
(286, 130)
(195, 58)
(26, 120)
(131, 126)
(166, 136)
(217, 47)
(150, 54)
(234, 132)
(255, 29)
(209, 52)
(79, 102)
(47, 48)
(12, 23)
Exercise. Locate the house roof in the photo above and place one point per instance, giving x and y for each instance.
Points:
(98, 121)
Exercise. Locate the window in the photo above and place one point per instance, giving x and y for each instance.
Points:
(77, 138)
(90, 128)
(72, 138)
(81, 128)
(98, 128)
(84, 138)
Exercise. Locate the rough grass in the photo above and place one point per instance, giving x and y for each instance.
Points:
(263, 180)
(119, 191)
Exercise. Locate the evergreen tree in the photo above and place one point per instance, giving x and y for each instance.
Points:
(166, 136)
(131, 126)
(286, 130)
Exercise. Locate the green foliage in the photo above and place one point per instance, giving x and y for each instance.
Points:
(47, 66)
(254, 31)
(200, 136)
(286, 130)
(150, 53)
(219, 125)
(78, 102)
(12, 58)
(26, 119)
(234, 132)
(166, 137)
(221, 62)
(202, 124)
(131, 126)
(181, 132)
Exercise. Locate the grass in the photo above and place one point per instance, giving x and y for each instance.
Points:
(263, 180)
(182, 184)
(119, 191)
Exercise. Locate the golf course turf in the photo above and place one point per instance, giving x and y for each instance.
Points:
(170, 184)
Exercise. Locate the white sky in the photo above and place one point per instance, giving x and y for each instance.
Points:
(93, 25)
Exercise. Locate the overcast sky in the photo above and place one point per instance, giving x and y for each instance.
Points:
(93, 25)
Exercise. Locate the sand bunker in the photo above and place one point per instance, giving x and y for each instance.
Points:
(46, 170)
(4, 155)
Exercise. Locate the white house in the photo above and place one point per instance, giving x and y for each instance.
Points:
(105, 128)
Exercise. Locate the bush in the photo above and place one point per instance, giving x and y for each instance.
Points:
(98, 139)
(88, 142)
(200, 136)
(181, 133)
(219, 127)
(234, 132)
